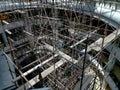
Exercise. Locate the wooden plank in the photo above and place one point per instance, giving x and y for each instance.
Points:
(44, 74)
(5, 22)
(84, 38)
(67, 57)
(98, 44)
(53, 67)
(34, 68)
(8, 32)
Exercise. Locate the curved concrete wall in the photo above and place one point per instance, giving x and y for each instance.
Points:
(106, 12)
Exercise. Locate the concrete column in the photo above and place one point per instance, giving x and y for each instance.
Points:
(111, 63)
(3, 34)
(28, 26)
(5, 38)
(27, 22)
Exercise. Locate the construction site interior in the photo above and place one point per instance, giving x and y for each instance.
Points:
(59, 45)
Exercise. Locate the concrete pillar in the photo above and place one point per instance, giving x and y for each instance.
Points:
(28, 26)
(27, 22)
(111, 63)
(3, 34)
(5, 38)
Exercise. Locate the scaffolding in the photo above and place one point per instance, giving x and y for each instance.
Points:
(59, 43)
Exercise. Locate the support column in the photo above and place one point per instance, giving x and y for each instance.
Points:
(111, 63)
(5, 39)
(28, 26)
